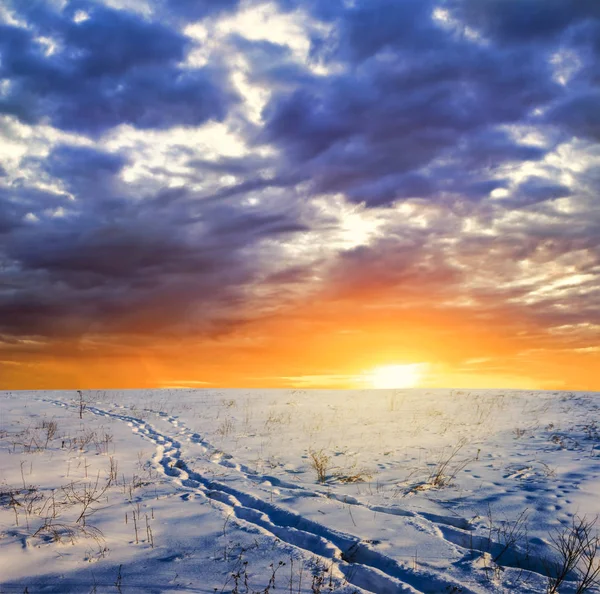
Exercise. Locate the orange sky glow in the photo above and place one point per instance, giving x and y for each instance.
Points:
(321, 345)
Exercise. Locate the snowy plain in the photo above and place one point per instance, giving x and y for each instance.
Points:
(299, 491)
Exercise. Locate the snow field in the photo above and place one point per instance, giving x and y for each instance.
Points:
(310, 491)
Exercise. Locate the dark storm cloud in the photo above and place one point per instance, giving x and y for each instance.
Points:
(117, 263)
(8, 220)
(348, 141)
(412, 93)
(537, 189)
(525, 21)
(492, 147)
(193, 10)
(230, 165)
(402, 107)
(369, 27)
(550, 26)
(17, 200)
(70, 163)
(271, 64)
(579, 115)
(112, 68)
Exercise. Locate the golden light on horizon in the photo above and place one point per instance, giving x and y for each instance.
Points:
(396, 376)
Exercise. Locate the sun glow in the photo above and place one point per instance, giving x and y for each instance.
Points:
(395, 376)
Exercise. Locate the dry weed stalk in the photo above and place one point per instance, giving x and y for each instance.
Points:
(319, 461)
(85, 494)
(577, 555)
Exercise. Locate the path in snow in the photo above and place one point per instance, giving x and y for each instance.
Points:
(361, 564)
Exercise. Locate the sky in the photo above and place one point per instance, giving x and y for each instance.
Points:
(300, 193)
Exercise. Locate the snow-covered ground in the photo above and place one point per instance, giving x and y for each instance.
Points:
(184, 491)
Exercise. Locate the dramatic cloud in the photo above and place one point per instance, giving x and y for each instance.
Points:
(89, 67)
(198, 9)
(524, 21)
(187, 169)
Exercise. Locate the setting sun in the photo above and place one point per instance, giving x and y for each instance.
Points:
(395, 376)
